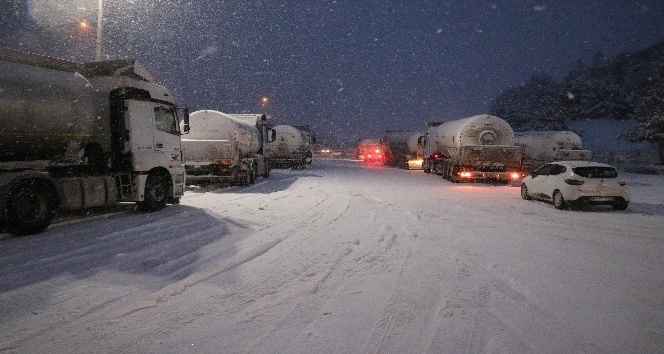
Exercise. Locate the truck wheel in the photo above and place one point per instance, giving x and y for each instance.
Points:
(30, 209)
(156, 194)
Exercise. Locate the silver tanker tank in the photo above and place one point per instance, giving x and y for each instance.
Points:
(47, 114)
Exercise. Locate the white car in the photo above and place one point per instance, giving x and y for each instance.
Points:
(569, 183)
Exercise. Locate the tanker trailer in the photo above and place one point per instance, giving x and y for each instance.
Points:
(403, 149)
(225, 148)
(83, 135)
(291, 147)
(541, 147)
(475, 148)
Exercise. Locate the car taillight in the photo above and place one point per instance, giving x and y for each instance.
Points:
(435, 156)
(573, 182)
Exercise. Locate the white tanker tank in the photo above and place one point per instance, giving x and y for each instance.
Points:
(473, 148)
(223, 147)
(214, 125)
(477, 130)
(542, 147)
(291, 146)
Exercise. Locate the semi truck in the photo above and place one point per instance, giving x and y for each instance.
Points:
(541, 147)
(403, 149)
(480, 147)
(226, 148)
(76, 136)
(291, 147)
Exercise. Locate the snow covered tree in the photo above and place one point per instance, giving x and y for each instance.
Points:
(649, 111)
(535, 105)
(598, 91)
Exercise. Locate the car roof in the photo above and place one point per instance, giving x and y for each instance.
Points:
(581, 163)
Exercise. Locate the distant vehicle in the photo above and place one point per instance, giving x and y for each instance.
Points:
(371, 150)
(474, 148)
(542, 147)
(227, 148)
(291, 147)
(404, 150)
(83, 135)
(572, 183)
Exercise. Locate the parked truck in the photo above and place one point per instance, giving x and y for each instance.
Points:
(226, 148)
(291, 147)
(475, 148)
(403, 149)
(83, 135)
(542, 147)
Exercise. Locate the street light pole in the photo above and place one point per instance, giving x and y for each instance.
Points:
(100, 19)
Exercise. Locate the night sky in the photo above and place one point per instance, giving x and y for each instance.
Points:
(350, 69)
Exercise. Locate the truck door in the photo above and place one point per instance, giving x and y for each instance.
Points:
(153, 134)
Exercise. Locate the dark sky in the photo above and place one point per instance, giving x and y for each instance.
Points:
(350, 69)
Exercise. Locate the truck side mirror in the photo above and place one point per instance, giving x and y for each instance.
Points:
(185, 117)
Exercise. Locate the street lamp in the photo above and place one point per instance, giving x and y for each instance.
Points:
(100, 19)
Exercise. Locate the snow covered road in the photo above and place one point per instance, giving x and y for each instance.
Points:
(343, 258)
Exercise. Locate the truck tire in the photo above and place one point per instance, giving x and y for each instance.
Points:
(30, 209)
(156, 194)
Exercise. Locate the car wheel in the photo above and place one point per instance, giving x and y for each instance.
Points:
(524, 192)
(30, 209)
(156, 194)
(622, 205)
(558, 200)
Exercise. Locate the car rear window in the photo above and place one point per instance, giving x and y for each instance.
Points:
(596, 172)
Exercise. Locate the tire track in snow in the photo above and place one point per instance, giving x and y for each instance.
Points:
(196, 278)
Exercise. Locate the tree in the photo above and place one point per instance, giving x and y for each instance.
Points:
(535, 105)
(649, 111)
(598, 91)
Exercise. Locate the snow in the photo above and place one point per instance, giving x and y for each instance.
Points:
(343, 258)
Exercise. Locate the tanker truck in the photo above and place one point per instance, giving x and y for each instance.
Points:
(226, 148)
(475, 148)
(83, 135)
(541, 147)
(291, 147)
(403, 149)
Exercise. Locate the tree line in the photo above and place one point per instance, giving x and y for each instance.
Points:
(628, 86)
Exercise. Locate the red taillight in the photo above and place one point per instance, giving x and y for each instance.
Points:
(573, 182)
(435, 156)
(378, 151)
(515, 175)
